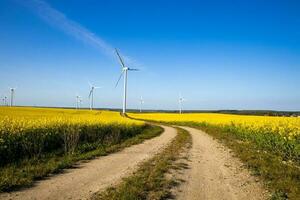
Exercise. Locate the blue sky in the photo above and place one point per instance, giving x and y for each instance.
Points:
(219, 54)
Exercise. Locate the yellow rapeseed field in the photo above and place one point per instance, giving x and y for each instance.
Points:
(32, 132)
(38, 117)
(288, 127)
(280, 135)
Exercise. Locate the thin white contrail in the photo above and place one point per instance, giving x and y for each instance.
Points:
(58, 20)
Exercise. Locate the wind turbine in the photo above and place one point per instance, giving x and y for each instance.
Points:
(80, 102)
(180, 101)
(77, 101)
(125, 72)
(5, 101)
(12, 95)
(91, 95)
(141, 103)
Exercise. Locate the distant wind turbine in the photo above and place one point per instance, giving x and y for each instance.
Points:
(141, 103)
(180, 101)
(91, 95)
(5, 101)
(80, 102)
(12, 96)
(124, 72)
(77, 101)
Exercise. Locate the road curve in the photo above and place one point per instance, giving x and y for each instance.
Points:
(215, 174)
(95, 175)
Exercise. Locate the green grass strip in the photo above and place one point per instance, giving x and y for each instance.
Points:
(16, 175)
(150, 181)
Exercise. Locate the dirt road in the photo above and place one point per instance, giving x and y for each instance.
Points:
(90, 177)
(214, 173)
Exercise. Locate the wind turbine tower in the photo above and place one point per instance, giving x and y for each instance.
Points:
(77, 101)
(141, 103)
(5, 101)
(80, 102)
(180, 101)
(125, 73)
(91, 95)
(12, 95)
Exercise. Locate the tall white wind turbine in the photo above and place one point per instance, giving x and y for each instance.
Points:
(141, 103)
(91, 95)
(12, 96)
(180, 101)
(124, 72)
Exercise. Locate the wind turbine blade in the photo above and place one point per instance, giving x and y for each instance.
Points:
(131, 69)
(96, 87)
(90, 93)
(119, 79)
(120, 59)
